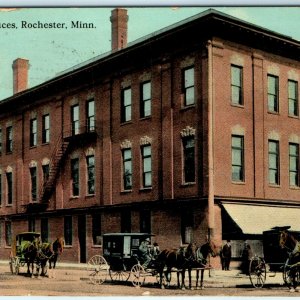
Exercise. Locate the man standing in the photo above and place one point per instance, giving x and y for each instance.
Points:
(226, 252)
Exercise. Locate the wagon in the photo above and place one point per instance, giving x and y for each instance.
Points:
(17, 258)
(120, 260)
(274, 260)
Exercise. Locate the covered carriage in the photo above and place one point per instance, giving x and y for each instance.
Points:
(17, 255)
(121, 260)
(275, 259)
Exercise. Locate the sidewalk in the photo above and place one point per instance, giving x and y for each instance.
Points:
(212, 278)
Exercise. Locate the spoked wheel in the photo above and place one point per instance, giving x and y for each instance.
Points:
(121, 275)
(257, 272)
(138, 273)
(14, 265)
(286, 273)
(98, 269)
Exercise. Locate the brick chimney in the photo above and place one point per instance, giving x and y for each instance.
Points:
(119, 20)
(20, 74)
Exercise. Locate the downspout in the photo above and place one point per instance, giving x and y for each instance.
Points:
(211, 189)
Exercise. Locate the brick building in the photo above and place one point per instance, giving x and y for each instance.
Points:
(191, 131)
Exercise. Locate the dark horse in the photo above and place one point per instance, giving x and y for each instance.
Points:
(288, 241)
(49, 252)
(199, 262)
(176, 258)
(29, 251)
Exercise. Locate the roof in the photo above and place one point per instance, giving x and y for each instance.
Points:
(215, 23)
(255, 219)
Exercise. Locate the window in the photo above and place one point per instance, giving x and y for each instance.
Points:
(9, 139)
(188, 86)
(125, 220)
(33, 132)
(145, 221)
(126, 105)
(145, 99)
(189, 158)
(96, 229)
(31, 225)
(44, 230)
(68, 230)
(127, 169)
(294, 164)
(9, 184)
(147, 167)
(46, 129)
(273, 94)
(75, 119)
(33, 184)
(237, 158)
(236, 85)
(8, 233)
(45, 169)
(90, 160)
(274, 162)
(75, 176)
(187, 225)
(293, 97)
(90, 115)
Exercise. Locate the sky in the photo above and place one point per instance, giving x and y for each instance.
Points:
(51, 51)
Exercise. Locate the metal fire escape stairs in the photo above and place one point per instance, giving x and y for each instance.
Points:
(58, 155)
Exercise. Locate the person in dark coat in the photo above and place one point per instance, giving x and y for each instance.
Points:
(246, 257)
(226, 254)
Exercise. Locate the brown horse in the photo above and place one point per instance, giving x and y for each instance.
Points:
(181, 259)
(288, 241)
(49, 253)
(29, 250)
(200, 261)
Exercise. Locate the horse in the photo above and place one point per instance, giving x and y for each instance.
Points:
(29, 250)
(288, 241)
(176, 258)
(49, 253)
(200, 261)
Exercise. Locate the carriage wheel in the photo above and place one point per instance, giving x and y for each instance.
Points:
(98, 269)
(257, 272)
(121, 275)
(14, 265)
(138, 273)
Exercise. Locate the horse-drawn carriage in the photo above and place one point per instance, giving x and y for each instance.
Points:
(28, 249)
(122, 260)
(279, 245)
(18, 256)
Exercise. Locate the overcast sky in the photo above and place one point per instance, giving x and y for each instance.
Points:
(51, 51)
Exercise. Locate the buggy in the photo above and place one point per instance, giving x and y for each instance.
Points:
(17, 258)
(275, 259)
(121, 259)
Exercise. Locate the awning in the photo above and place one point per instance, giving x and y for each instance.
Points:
(254, 219)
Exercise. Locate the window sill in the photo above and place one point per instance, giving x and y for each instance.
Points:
(126, 123)
(33, 147)
(294, 187)
(186, 184)
(273, 112)
(8, 152)
(89, 196)
(7, 247)
(238, 182)
(46, 144)
(74, 197)
(8, 205)
(68, 246)
(126, 191)
(293, 117)
(274, 186)
(96, 246)
(187, 107)
(145, 118)
(146, 189)
(238, 105)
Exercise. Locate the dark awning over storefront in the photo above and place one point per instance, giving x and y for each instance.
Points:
(254, 219)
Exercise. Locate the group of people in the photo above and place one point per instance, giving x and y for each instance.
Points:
(226, 254)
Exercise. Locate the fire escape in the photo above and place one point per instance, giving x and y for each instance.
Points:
(65, 143)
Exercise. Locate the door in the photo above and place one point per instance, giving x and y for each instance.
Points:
(82, 237)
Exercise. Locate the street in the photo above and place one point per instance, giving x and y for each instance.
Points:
(75, 282)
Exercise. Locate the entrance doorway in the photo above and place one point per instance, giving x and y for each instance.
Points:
(82, 237)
